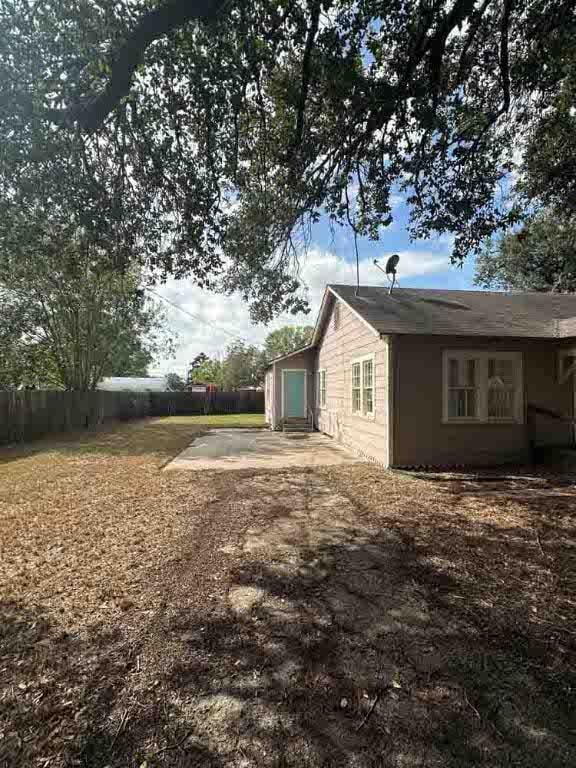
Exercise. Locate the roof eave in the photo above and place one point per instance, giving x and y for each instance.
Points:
(289, 354)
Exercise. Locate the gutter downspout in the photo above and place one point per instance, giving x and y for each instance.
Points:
(274, 421)
(392, 384)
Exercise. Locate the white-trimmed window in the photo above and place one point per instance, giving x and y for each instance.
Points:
(483, 386)
(363, 386)
(321, 389)
(356, 387)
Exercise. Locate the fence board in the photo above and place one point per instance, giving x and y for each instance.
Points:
(203, 403)
(29, 415)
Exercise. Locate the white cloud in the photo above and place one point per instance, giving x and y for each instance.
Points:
(416, 262)
(226, 317)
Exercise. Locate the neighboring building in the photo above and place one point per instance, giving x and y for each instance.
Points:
(427, 377)
(133, 384)
(202, 387)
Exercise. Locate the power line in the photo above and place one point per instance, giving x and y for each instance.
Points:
(196, 317)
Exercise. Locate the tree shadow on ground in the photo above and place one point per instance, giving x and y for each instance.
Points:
(414, 639)
(70, 700)
(370, 655)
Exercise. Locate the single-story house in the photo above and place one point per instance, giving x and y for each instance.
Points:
(433, 377)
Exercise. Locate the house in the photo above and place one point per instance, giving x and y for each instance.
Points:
(133, 384)
(433, 377)
(200, 386)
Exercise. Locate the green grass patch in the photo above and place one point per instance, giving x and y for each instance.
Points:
(227, 420)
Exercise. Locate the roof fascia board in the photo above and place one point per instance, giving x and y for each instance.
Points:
(289, 354)
(320, 317)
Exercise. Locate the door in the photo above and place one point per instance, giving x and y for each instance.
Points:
(294, 394)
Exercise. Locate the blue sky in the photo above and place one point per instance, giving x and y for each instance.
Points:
(331, 258)
(395, 239)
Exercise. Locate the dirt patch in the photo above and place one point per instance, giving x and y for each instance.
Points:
(342, 617)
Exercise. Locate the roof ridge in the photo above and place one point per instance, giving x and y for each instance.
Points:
(480, 291)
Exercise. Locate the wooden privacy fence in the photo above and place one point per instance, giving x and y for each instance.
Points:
(29, 415)
(203, 403)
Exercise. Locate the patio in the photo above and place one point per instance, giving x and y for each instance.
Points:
(233, 449)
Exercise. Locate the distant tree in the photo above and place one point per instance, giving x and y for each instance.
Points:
(209, 371)
(175, 383)
(195, 365)
(541, 257)
(242, 366)
(287, 339)
(199, 359)
(67, 319)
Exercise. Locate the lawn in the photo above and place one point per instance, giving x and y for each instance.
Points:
(336, 617)
(240, 420)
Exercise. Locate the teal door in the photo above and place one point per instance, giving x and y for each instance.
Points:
(294, 394)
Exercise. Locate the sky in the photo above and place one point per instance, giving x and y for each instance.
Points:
(331, 259)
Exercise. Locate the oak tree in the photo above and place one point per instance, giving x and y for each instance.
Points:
(206, 137)
(287, 339)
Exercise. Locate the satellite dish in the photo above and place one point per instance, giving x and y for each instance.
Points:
(392, 263)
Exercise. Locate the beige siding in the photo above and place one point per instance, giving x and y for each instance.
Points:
(339, 346)
(420, 437)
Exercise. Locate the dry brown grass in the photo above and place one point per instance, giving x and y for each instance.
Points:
(443, 612)
(89, 527)
(85, 519)
(505, 547)
(495, 562)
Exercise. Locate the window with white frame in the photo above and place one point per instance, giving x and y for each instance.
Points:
(363, 386)
(483, 386)
(321, 389)
(356, 387)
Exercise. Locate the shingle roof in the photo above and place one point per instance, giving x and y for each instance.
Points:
(463, 313)
(287, 355)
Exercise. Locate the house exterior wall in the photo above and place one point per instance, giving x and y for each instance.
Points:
(269, 396)
(340, 344)
(419, 435)
(303, 360)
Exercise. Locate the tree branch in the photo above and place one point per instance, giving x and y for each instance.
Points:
(436, 45)
(306, 61)
(156, 23)
(475, 20)
(504, 65)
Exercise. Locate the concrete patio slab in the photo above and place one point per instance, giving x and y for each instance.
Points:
(259, 449)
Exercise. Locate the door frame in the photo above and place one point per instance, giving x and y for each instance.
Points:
(304, 372)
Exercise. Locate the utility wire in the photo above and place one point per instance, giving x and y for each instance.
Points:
(196, 317)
